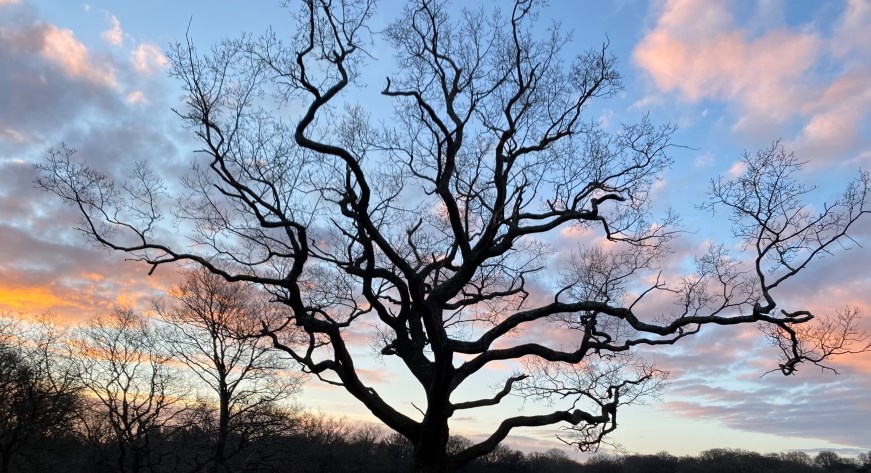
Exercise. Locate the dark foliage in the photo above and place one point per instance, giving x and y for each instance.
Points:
(38, 402)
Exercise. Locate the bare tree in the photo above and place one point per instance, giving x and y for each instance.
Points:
(434, 228)
(212, 328)
(38, 394)
(123, 365)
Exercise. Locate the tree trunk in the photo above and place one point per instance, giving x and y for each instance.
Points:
(223, 431)
(430, 451)
(5, 459)
(121, 458)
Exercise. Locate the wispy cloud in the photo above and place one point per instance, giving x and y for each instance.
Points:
(114, 35)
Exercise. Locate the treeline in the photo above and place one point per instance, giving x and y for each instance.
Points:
(727, 460)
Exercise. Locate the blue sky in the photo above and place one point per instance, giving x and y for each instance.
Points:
(733, 75)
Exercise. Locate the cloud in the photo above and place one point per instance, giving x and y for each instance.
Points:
(35, 43)
(114, 35)
(47, 78)
(53, 89)
(737, 169)
(148, 58)
(60, 47)
(851, 35)
(717, 374)
(8, 2)
(137, 97)
(698, 51)
(646, 101)
(74, 283)
(371, 376)
(837, 119)
(788, 407)
(12, 135)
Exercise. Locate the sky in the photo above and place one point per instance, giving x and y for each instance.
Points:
(733, 75)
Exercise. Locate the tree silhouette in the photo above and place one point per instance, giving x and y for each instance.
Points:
(122, 364)
(211, 328)
(38, 394)
(434, 228)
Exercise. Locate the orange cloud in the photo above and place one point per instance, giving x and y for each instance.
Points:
(76, 295)
(28, 299)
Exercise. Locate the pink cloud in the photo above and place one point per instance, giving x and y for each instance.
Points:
(835, 118)
(11, 135)
(61, 47)
(114, 35)
(148, 58)
(371, 376)
(699, 52)
(696, 51)
(852, 34)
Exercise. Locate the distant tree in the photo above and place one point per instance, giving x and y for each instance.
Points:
(435, 227)
(865, 461)
(504, 460)
(662, 462)
(398, 451)
(831, 461)
(323, 440)
(797, 458)
(97, 437)
(122, 364)
(38, 396)
(212, 328)
(603, 463)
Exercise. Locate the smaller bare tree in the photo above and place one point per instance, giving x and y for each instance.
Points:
(38, 394)
(212, 327)
(121, 363)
